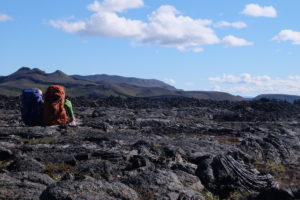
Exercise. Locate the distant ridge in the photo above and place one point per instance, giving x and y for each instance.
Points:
(219, 96)
(100, 86)
(281, 97)
(127, 80)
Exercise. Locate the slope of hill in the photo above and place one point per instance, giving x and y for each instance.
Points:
(281, 97)
(219, 96)
(13, 84)
(126, 80)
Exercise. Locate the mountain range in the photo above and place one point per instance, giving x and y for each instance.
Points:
(281, 97)
(99, 85)
(126, 80)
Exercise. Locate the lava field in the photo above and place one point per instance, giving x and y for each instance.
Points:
(154, 148)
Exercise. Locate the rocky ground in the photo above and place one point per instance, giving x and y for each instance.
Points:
(144, 149)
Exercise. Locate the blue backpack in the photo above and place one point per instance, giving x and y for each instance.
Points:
(32, 105)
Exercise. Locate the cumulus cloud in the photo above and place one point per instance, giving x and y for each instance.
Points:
(165, 26)
(247, 84)
(226, 79)
(286, 35)
(114, 5)
(169, 81)
(4, 18)
(232, 41)
(256, 10)
(231, 24)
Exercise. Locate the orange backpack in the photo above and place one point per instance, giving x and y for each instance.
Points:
(54, 110)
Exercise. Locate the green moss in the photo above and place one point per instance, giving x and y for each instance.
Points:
(270, 167)
(228, 140)
(81, 175)
(71, 132)
(236, 195)
(208, 195)
(55, 170)
(145, 194)
(5, 163)
(45, 140)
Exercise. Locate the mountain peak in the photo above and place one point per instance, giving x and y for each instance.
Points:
(58, 72)
(37, 70)
(24, 70)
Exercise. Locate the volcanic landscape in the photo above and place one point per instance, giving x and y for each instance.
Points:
(154, 148)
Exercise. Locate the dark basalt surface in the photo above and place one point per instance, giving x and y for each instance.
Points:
(155, 148)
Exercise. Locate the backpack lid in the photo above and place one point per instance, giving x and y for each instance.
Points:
(55, 93)
(31, 95)
(30, 91)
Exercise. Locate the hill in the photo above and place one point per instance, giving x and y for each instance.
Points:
(218, 96)
(126, 80)
(281, 97)
(13, 84)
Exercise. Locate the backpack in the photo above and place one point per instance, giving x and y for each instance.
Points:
(54, 110)
(31, 109)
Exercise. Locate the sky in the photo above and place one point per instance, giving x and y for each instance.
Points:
(245, 47)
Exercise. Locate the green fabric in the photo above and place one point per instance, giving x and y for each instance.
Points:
(69, 108)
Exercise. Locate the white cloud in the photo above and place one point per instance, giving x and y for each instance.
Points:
(232, 41)
(231, 24)
(165, 27)
(4, 18)
(197, 50)
(114, 5)
(256, 10)
(68, 27)
(226, 79)
(286, 35)
(247, 84)
(169, 81)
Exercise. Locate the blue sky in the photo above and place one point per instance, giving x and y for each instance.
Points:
(244, 47)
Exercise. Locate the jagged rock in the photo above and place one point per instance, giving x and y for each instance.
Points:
(154, 147)
(82, 157)
(162, 184)
(275, 194)
(186, 167)
(88, 188)
(25, 164)
(223, 175)
(5, 154)
(23, 185)
(97, 169)
(137, 161)
(67, 176)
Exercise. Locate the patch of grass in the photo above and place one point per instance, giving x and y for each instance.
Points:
(279, 168)
(228, 140)
(55, 170)
(46, 140)
(5, 163)
(270, 167)
(236, 195)
(81, 175)
(208, 195)
(145, 194)
(72, 132)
